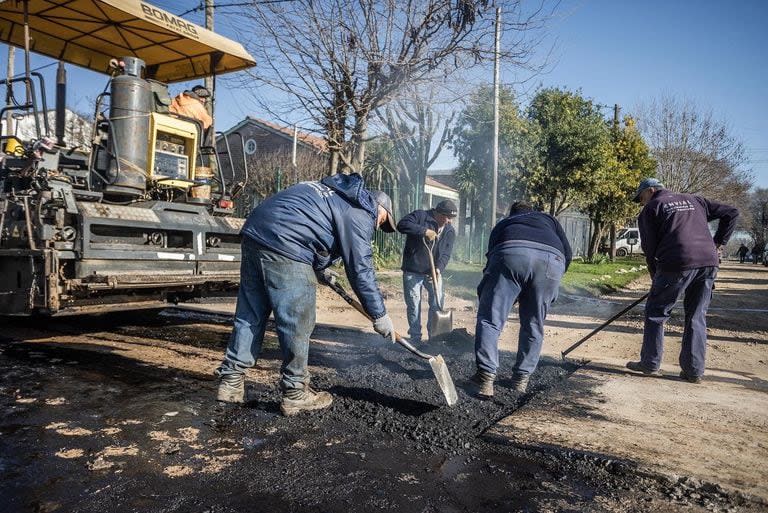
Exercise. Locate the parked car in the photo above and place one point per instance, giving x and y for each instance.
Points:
(628, 242)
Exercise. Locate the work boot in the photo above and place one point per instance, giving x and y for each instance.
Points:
(482, 384)
(519, 382)
(231, 388)
(296, 400)
(639, 367)
(690, 378)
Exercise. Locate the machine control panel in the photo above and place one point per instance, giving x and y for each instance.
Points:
(171, 160)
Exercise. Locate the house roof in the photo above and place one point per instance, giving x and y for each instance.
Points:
(430, 180)
(312, 141)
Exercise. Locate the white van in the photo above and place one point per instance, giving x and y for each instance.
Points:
(628, 242)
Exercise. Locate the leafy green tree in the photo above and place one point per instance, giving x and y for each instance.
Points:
(573, 149)
(473, 146)
(610, 203)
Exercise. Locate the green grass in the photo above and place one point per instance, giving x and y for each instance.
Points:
(602, 278)
(593, 279)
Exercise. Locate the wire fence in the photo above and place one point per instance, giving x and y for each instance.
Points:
(471, 239)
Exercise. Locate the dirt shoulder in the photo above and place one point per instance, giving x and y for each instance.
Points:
(716, 431)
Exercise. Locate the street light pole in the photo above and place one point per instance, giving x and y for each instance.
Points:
(495, 181)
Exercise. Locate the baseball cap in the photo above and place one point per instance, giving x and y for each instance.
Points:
(447, 208)
(646, 183)
(201, 91)
(381, 198)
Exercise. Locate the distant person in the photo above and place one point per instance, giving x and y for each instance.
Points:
(191, 104)
(742, 252)
(528, 253)
(286, 240)
(757, 252)
(682, 260)
(426, 230)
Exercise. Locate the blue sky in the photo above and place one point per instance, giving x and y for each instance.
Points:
(630, 52)
(625, 52)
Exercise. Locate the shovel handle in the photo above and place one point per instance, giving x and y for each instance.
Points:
(435, 284)
(603, 325)
(357, 306)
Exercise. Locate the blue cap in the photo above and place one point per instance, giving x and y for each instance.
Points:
(645, 183)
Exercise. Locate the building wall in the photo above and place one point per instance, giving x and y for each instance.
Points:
(259, 144)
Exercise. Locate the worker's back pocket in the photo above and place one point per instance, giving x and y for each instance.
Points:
(555, 267)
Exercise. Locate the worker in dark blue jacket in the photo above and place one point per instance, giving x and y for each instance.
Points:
(286, 240)
(528, 253)
(682, 258)
(426, 230)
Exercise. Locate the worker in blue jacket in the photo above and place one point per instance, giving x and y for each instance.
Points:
(682, 258)
(528, 253)
(286, 240)
(426, 230)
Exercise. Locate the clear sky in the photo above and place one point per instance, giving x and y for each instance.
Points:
(714, 52)
(627, 52)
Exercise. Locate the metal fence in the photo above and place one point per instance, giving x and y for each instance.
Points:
(471, 241)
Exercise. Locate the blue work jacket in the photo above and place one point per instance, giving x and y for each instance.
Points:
(415, 256)
(318, 222)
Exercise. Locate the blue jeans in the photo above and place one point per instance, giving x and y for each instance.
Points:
(666, 288)
(272, 283)
(531, 276)
(412, 283)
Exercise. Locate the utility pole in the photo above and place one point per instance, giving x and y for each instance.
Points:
(612, 233)
(9, 75)
(494, 191)
(210, 83)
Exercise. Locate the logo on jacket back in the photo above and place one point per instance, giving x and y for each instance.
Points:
(678, 206)
(323, 190)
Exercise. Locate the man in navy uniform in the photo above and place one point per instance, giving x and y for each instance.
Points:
(528, 253)
(682, 258)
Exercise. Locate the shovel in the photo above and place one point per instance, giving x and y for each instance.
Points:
(603, 325)
(440, 320)
(439, 368)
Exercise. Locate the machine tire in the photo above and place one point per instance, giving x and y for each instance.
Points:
(621, 252)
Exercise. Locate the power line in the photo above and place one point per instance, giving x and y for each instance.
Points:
(201, 7)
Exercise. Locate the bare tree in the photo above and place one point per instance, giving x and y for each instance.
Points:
(340, 60)
(756, 216)
(419, 128)
(696, 153)
(270, 172)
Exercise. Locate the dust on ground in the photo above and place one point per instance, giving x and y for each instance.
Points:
(115, 412)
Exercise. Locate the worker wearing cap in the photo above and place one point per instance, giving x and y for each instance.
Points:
(191, 104)
(528, 253)
(426, 230)
(682, 257)
(286, 240)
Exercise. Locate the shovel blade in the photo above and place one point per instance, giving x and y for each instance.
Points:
(443, 376)
(441, 323)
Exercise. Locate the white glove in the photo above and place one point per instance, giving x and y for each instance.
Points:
(384, 327)
(327, 276)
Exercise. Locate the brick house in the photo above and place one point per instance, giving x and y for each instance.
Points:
(268, 150)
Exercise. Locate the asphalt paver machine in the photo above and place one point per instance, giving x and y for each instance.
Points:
(138, 217)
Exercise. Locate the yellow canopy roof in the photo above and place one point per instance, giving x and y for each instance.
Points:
(91, 32)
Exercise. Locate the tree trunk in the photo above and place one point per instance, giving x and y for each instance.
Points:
(613, 242)
(356, 159)
(333, 162)
(594, 242)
